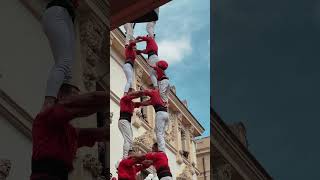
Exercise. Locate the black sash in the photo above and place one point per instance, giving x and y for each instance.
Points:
(152, 53)
(164, 77)
(163, 172)
(125, 116)
(51, 167)
(128, 61)
(160, 108)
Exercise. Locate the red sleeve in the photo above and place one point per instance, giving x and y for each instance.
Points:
(147, 92)
(138, 168)
(150, 156)
(137, 104)
(144, 38)
(59, 115)
(131, 45)
(129, 162)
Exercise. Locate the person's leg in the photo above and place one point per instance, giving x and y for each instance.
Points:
(129, 32)
(150, 28)
(57, 26)
(161, 118)
(128, 71)
(126, 131)
(152, 61)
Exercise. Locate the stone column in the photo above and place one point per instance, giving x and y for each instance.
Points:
(223, 172)
(190, 142)
(178, 142)
(5, 166)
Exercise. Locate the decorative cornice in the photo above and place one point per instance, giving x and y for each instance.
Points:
(15, 114)
(92, 164)
(227, 145)
(5, 166)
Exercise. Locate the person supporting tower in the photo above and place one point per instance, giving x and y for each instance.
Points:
(124, 124)
(162, 116)
(130, 54)
(129, 167)
(55, 140)
(57, 22)
(152, 51)
(159, 161)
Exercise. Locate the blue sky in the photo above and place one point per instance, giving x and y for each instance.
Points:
(183, 37)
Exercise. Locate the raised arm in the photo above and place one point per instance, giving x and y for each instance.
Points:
(141, 38)
(88, 136)
(135, 94)
(145, 103)
(86, 104)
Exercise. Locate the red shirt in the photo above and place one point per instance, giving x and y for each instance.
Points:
(126, 169)
(160, 159)
(126, 104)
(151, 45)
(53, 136)
(155, 97)
(159, 72)
(130, 53)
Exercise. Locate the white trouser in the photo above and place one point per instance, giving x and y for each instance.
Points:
(150, 28)
(164, 88)
(162, 120)
(151, 25)
(126, 131)
(166, 178)
(128, 71)
(152, 60)
(129, 32)
(58, 27)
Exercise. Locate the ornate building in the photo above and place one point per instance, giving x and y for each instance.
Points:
(203, 158)
(230, 158)
(183, 126)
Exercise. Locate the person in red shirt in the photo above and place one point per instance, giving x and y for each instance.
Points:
(152, 51)
(130, 54)
(159, 161)
(162, 78)
(130, 166)
(55, 140)
(162, 116)
(127, 107)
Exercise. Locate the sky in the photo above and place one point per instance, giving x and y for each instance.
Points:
(265, 73)
(183, 37)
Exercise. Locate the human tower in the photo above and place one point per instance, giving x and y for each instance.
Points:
(132, 162)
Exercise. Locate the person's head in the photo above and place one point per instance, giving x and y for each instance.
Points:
(162, 64)
(155, 147)
(67, 90)
(134, 47)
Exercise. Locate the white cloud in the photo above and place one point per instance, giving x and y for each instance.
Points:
(174, 50)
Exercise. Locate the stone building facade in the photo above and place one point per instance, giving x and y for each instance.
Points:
(203, 158)
(183, 126)
(230, 157)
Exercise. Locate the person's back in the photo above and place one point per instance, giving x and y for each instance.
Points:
(126, 169)
(53, 135)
